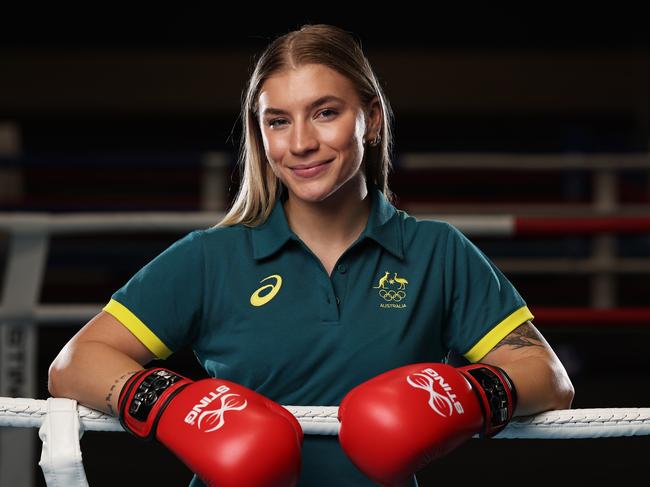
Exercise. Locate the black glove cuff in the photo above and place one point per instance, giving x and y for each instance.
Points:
(501, 396)
(141, 400)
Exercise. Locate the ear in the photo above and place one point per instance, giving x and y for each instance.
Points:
(373, 118)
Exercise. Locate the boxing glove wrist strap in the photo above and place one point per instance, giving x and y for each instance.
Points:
(144, 397)
(497, 395)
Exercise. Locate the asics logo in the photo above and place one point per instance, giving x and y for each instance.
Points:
(257, 300)
(212, 420)
(442, 404)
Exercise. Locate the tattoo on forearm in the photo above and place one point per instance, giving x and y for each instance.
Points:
(525, 335)
(113, 389)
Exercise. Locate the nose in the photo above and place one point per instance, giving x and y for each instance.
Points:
(303, 138)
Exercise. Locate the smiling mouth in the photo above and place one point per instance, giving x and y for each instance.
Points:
(307, 166)
(310, 171)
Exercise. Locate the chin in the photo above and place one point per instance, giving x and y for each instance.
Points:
(312, 191)
(311, 196)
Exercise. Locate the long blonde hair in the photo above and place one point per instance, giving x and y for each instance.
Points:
(322, 44)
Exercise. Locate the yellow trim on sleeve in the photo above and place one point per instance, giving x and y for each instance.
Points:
(498, 333)
(138, 328)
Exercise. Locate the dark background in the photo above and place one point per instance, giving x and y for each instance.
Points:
(102, 89)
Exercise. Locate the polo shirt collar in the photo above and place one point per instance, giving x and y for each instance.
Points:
(273, 233)
(383, 226)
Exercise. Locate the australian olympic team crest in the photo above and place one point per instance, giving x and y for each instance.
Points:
(391, 290)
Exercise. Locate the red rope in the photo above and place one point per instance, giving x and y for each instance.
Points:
(590, 316)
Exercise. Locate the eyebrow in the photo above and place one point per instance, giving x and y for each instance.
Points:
(320, 101)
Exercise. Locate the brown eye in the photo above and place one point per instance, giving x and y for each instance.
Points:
(328, 111)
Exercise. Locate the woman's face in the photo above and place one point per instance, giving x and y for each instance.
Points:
(313, 144)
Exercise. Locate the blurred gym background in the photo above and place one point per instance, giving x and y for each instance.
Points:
(532, 115)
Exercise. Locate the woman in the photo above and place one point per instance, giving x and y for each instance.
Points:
(314, 282)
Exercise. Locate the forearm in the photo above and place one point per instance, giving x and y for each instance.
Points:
(93, 373)
(541, 385)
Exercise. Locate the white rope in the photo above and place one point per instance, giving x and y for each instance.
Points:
(62, 422)
(322, 420)
(580, 423)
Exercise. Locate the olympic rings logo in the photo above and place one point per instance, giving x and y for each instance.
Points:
(392, 295)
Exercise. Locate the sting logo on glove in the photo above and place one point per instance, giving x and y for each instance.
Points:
(208, 418)
(441, 404)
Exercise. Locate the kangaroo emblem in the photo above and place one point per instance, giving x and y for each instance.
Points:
(382, 282)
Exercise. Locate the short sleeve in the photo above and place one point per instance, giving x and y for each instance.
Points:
(162, 303)
(481, 305)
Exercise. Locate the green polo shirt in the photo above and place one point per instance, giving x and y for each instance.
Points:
(258, 308)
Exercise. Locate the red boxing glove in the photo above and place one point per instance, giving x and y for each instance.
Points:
(226, 433)
(396, 423)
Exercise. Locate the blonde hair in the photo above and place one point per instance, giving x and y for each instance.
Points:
(311, 44)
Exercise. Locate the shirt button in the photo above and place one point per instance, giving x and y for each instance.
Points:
(342, 268)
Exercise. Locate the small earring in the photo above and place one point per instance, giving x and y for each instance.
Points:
(375, 142)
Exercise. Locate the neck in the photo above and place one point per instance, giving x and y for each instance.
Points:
(336, 221)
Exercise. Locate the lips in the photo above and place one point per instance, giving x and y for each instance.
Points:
(311, 169)
(309, 165)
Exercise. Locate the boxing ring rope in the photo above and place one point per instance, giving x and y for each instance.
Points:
(61, 458)
(474, 225)
(589, 317)
(548, 317)
(23, 412)
(61, 452)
